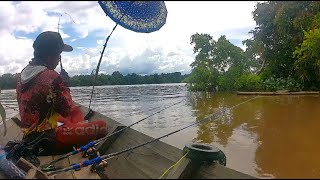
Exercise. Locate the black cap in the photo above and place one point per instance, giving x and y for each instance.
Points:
(50, 41)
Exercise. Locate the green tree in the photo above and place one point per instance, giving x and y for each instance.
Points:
(280, 29)
(248, 82)
(8, 81)
(203, 44)
(202, 79)
(118, 79)
(308, 63)
(253, 55)
(217, 63)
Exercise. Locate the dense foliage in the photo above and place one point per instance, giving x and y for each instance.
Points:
(118, 79)
(283, 53)
(8, 81)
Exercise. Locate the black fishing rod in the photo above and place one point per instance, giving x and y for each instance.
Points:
(98, 141)
(99, 159)
(58, 32)
(98, 66)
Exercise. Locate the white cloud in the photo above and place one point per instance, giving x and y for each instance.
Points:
(85, 17)
(12, 68)
(100, 42)
(13, 49)
(166, 50)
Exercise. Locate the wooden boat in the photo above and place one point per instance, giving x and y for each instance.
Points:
(146, 162)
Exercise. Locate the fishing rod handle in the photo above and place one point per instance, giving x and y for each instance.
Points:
(85, 163)
(56, 160)
(84, 148)
(81, 149)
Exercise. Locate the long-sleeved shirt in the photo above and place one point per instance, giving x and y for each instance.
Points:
(42, 96)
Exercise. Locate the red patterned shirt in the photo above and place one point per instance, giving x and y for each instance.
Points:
(42, 98)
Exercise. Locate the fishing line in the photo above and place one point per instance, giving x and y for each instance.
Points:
(195, 123)
(59, 30)
(102, 139)
(98, 159)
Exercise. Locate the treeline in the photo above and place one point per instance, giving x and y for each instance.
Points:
(283, 54)
(8, 81)
(116, 78)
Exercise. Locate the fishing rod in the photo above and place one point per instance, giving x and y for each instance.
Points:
(98, 66)
(99, 159)
(59, 30)
(98, 141)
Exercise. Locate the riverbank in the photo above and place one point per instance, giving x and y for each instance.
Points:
(280, 93)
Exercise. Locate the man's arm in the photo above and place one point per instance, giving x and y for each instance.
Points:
(62, 101)
(65, 77)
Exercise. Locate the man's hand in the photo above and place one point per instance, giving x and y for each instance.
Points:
(65, 77)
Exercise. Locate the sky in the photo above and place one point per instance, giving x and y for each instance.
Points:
(85, 26)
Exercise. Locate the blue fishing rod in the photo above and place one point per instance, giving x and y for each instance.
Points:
(99, 159)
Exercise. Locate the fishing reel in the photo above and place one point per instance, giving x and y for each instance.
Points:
(92, 153)
(100, 169)
(89, 115)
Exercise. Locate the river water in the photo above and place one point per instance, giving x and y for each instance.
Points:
(267, 137)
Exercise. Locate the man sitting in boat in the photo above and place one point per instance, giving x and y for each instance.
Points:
(45, 103)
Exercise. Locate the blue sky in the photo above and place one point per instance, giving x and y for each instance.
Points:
(164, 51)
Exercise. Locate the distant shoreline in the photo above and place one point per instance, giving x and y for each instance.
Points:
(116, 85)
(280, 93)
